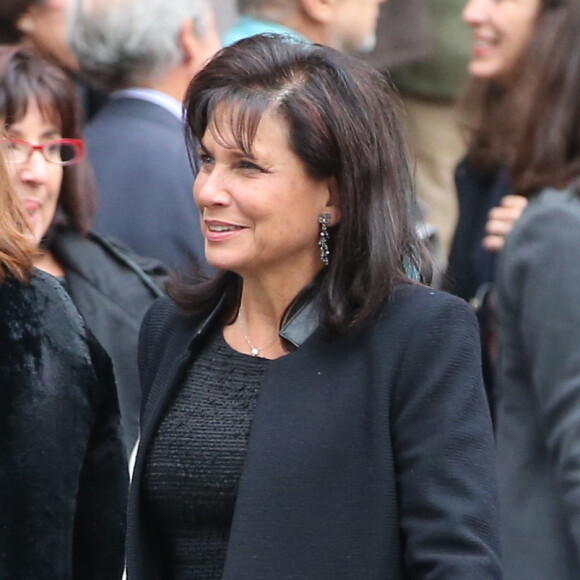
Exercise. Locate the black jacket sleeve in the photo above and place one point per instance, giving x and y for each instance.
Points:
(100, 518)
(443, 448)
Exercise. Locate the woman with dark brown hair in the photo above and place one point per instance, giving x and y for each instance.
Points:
(491, 103)
(527, 53)
(310, 412)
(489, 194)
(63, 472)
(111, 286)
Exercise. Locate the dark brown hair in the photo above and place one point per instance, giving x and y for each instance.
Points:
(16, 249)
(25, 75)
(531, 122)
(343, 124)
(10, 12)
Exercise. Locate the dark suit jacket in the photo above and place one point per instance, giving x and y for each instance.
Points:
(145, 180)
(370, 455)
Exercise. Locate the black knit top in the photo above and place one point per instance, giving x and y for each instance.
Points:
(195, 461)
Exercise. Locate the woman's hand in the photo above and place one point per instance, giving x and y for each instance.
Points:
(501, 220)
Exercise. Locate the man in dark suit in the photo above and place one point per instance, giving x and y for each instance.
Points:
(144, 53)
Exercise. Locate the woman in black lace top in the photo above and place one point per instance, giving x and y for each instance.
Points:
(310, 412)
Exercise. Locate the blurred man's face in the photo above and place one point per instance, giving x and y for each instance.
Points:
(354, 28)
(45, 27)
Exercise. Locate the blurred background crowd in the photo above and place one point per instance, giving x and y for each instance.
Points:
(91, 95)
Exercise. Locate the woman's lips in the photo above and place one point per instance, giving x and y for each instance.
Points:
(483, 46)
(31, 206)
(216, 231)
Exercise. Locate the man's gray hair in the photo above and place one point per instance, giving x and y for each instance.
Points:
(121, 43)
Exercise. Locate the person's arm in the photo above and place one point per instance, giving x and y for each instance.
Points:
(545, 275)
(443, 444)
(100, 517)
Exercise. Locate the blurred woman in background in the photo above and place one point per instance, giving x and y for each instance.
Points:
(111, 286)
(489, 200)
(63, 472)
(527, 142)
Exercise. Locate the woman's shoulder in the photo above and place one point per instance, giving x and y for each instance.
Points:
(164, 326)
(417, 301)
(165, 335)
(107, 264)
(41, 331)
(41, 299)
(162, 316)
(553, 201)
(552, 214)
(415, 310)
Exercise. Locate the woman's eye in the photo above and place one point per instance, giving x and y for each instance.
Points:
(205, 159)
(245, 164)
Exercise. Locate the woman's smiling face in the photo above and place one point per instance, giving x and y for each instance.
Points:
(259, 212)
(501, 32)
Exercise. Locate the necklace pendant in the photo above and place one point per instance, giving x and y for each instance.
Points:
(255, 351)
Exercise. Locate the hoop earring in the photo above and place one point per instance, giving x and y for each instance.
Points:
(324, 221)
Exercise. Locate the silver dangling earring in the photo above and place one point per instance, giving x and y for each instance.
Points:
(324, 221)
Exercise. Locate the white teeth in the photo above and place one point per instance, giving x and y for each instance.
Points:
(221, 228)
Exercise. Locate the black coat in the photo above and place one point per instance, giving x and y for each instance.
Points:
(470, 266)
(370, 455)
(471, 269)
(113, 288)
(63, 472)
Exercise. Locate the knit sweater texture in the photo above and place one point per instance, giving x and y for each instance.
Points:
(196, 458)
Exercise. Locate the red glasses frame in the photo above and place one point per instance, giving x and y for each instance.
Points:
(78, 143)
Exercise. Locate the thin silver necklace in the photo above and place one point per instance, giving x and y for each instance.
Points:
(254, 350)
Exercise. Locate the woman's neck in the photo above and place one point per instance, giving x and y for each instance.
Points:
(262, 306)
(47, 262)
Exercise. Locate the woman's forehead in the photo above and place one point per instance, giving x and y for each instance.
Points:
(235, 125)
(47, 109)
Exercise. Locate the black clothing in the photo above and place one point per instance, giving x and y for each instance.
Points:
(471, 269)
(195, 460)
(112, 287)
(370, 455)
(63, 471)
(470, 265)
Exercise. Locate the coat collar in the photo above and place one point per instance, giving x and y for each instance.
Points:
(297, 329)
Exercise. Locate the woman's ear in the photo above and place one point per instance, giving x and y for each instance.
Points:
(25, 23)
(333, 203)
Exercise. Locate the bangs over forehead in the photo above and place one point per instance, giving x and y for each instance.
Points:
(24, 77)
(232, 112)
(232, 116)
(14, 107)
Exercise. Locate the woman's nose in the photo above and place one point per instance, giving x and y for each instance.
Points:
(475, 12)
(210, 188)
(35, 168)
